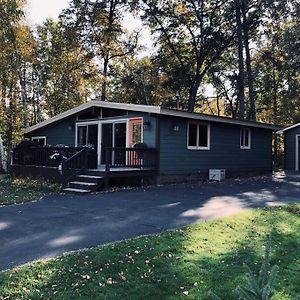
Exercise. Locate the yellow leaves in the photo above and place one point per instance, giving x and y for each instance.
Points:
(181, 9)
(26, 44)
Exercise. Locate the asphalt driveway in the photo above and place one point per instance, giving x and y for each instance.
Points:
(58, 224)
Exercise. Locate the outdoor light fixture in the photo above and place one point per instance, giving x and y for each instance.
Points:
(71, 127)
(147, 125)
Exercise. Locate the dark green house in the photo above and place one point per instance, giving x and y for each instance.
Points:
(99, 141)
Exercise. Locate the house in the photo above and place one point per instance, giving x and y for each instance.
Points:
(292, 147)
(151, 142)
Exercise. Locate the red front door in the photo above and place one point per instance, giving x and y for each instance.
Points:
(135, 132)
(135, 136)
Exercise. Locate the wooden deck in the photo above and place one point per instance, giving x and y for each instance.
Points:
(72, 166)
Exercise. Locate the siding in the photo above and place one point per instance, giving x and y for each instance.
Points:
(225, 152)
(290, 148)
(58, 133)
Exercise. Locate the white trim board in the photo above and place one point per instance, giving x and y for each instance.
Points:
(297, 152)
(290, 127)
(154, 110)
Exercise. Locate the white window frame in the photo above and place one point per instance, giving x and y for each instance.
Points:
(242, 143)
(197, 138)
(297, 153)
(107, 121)
(34, 138)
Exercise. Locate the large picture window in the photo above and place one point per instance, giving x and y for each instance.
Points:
(245, 138)
(198, 136)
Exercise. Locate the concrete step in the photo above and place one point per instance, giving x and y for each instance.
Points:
(79, 191)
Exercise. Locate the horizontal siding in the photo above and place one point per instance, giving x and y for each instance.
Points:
(58, 133)
(224, 151)
(290, 148)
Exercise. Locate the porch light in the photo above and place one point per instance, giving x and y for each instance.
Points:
(146, 125)
(175, 127)
(71, 127)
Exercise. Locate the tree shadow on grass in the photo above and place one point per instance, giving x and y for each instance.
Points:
(178, 264)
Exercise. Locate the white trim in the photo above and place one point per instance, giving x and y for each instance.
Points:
(39, 137)
(249, 139)
(154, 110)
(290, 127)
(297, 152)
(197, 137)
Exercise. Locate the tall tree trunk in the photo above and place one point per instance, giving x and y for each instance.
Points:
(9, 127)
(193, 93)
(241, 77)
(2, 164)
(252, 114)
(105, 77)
(24, 97)
(275, 111)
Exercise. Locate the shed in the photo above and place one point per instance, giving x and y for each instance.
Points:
(292, 147)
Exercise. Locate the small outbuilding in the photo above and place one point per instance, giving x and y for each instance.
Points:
(292, 147)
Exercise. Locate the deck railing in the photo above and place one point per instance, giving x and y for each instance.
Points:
(145, 158)
(43, 156)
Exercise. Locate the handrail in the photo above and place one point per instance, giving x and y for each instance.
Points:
(73, 156)
(80, 161)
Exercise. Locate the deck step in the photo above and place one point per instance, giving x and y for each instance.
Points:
(83, 183)
(73, 190)
(90, 176)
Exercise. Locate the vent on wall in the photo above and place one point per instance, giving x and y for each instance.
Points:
(217, 174)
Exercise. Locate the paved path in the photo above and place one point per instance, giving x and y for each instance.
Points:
(58, 224)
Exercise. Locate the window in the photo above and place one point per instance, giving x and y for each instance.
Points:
(87, 134)
(40, 139)
(245, 138)
(198, 136)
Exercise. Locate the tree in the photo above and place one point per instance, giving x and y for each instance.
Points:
(11, 14)
(68, 76)
(97, 25)
(140, 81)
(196, 33)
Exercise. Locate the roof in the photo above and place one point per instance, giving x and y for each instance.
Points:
(290, 127)
(154, 110)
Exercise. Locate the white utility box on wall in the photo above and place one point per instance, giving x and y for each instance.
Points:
(217, 174)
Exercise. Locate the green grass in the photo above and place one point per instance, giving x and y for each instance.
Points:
(178, 264)
(20, 190)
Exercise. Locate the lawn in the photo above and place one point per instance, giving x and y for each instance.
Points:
(178, 264)
(17, 190)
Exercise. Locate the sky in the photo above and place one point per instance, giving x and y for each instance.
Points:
(39, 10)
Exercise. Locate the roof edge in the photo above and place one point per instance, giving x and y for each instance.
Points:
(94, 103)
(155, 110)
(290, 127)
(220, 119)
